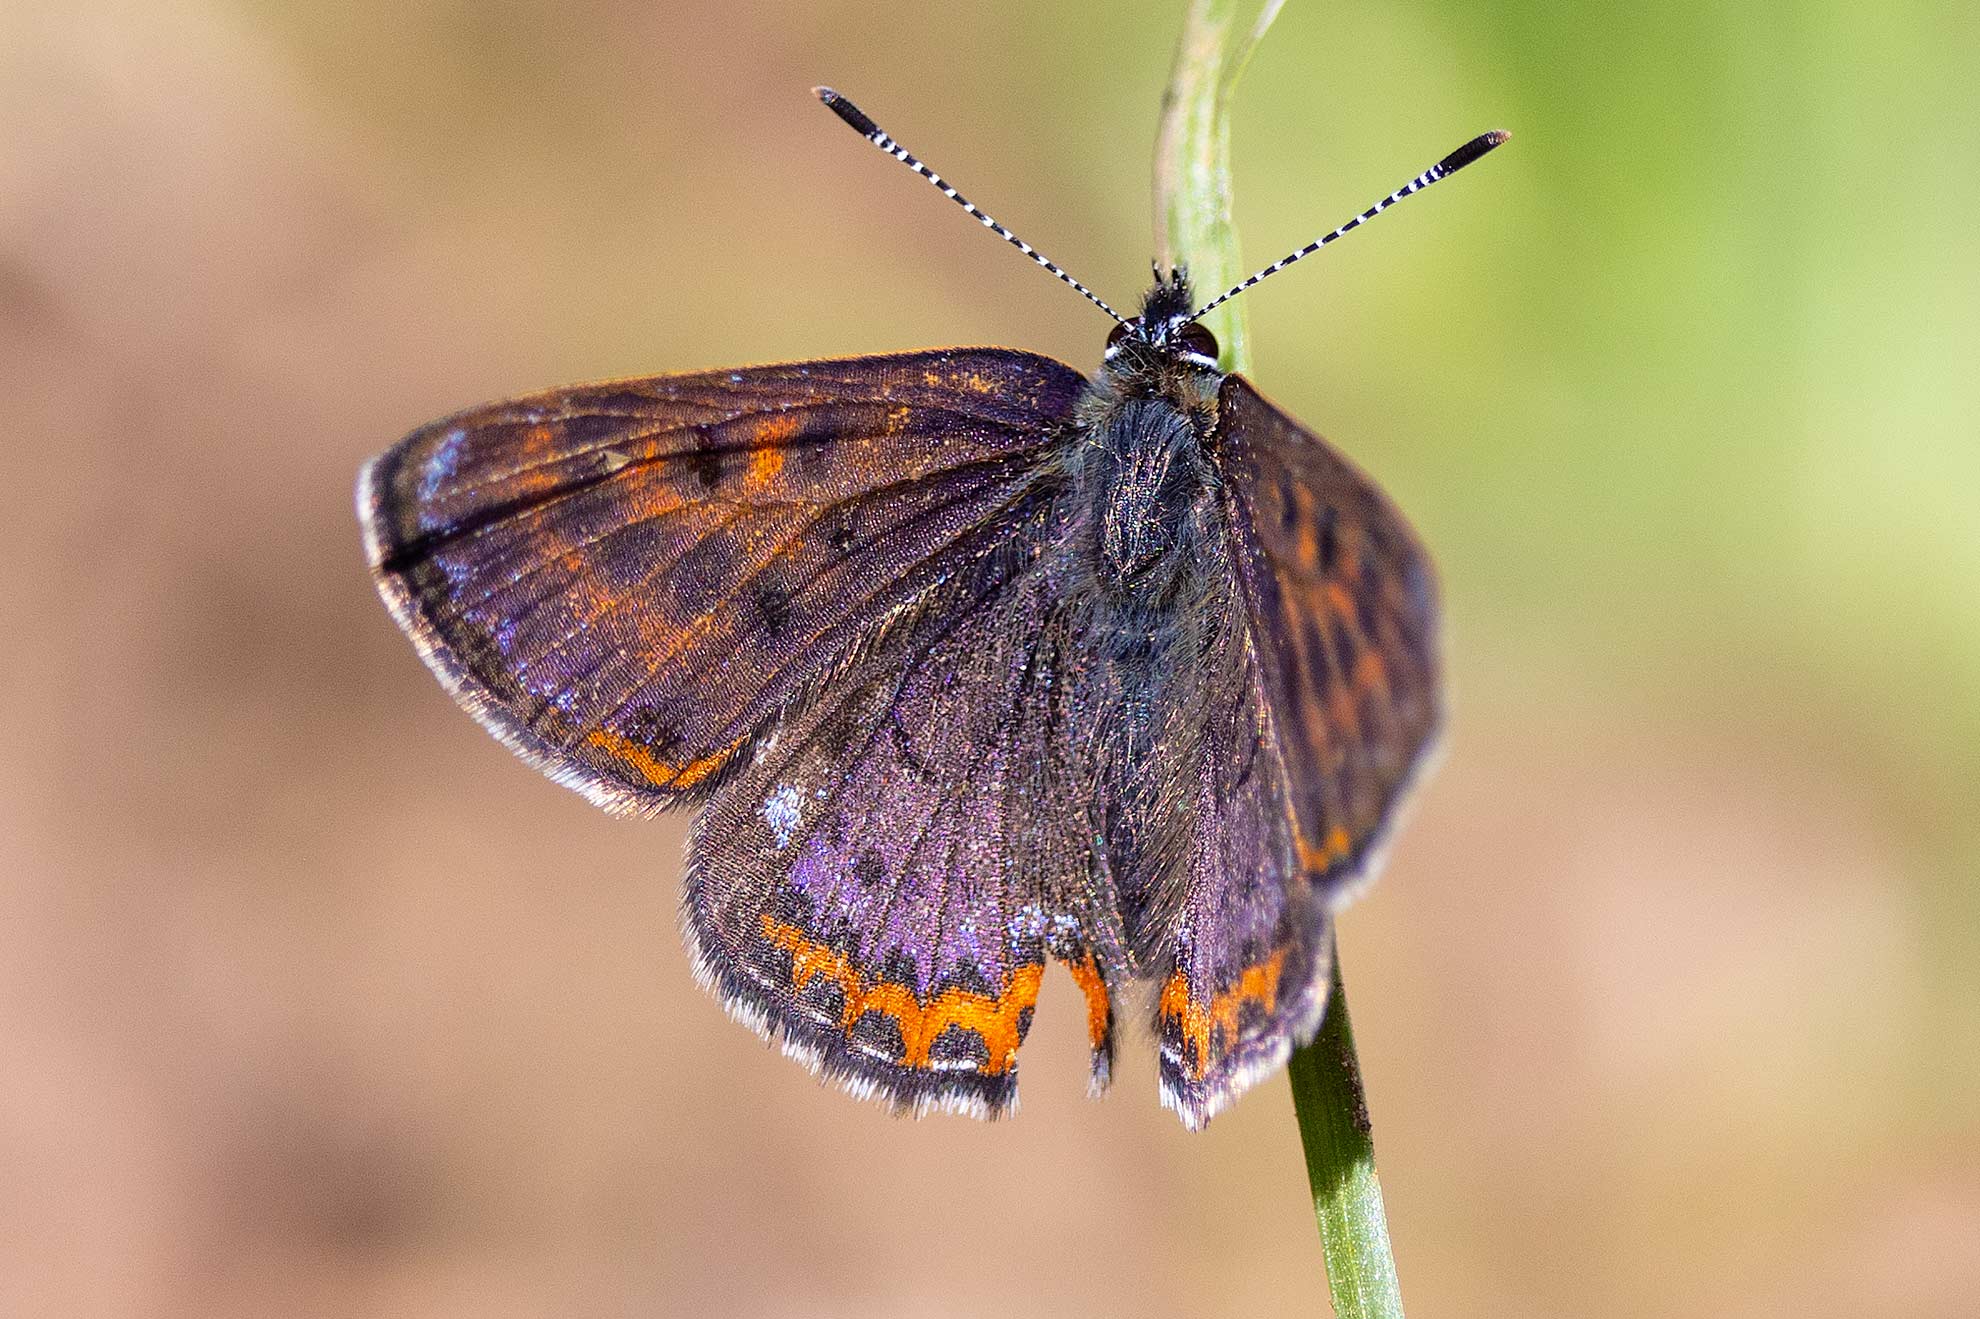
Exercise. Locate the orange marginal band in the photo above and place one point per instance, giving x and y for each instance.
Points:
(1259, 984)
(995, 1019)
(658, 772)
(1086, 975)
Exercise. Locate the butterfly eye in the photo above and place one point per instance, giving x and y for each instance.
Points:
(1124, 330)
(1195, 339)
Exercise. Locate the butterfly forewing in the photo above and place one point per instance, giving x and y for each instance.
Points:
(1342, 603)
(628, 582)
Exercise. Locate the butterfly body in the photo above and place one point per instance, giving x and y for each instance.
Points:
(967, 662)
(970, 664)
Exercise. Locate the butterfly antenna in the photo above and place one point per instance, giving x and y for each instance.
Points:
(873, 133)
(1444, 168)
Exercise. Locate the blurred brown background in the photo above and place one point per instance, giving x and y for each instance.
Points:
(313, 1001)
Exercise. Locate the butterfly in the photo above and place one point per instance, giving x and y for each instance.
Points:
(968, 662)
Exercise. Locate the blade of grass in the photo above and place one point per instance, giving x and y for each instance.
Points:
(1340, 1167)
(1193, 227)
(1193, 161)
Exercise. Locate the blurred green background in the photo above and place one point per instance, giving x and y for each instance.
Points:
(313, 1001)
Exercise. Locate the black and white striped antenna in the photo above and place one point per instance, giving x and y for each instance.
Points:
(873, 133)
(1444, 168)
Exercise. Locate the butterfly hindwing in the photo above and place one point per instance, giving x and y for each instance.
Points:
(1191, 808)
(1341, 601)
(1319, 700)
(1248, 941)
(881, 886)
(629, 582)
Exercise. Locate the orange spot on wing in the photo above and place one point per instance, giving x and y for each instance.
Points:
(1308, 545)
(1306, 517)
(1342, 711)
(996, 1019)
(766, 457)
(1258, 984)
(775, 428)
(1370, 673)
(974, 381)
(764, 466)
(656, 771)
(1318, 859)
(1099, 1012)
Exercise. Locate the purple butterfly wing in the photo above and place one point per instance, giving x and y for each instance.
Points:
(881, 885)
(630, 582)
(1343, 609)
(1324, 701)
(1244, 955)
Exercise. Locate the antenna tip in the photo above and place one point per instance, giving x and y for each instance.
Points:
(1472, 150)
(847, 111)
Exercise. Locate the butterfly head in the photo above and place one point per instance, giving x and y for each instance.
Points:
(1166, 331)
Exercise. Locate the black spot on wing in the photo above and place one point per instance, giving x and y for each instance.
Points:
(647, 726)
(897, 968)
(773, 606)
(969, 977)
(1344, 652)
(878, 1033)
(959, 1046)
(823, 997)
(1330, 545)
(706, 464)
